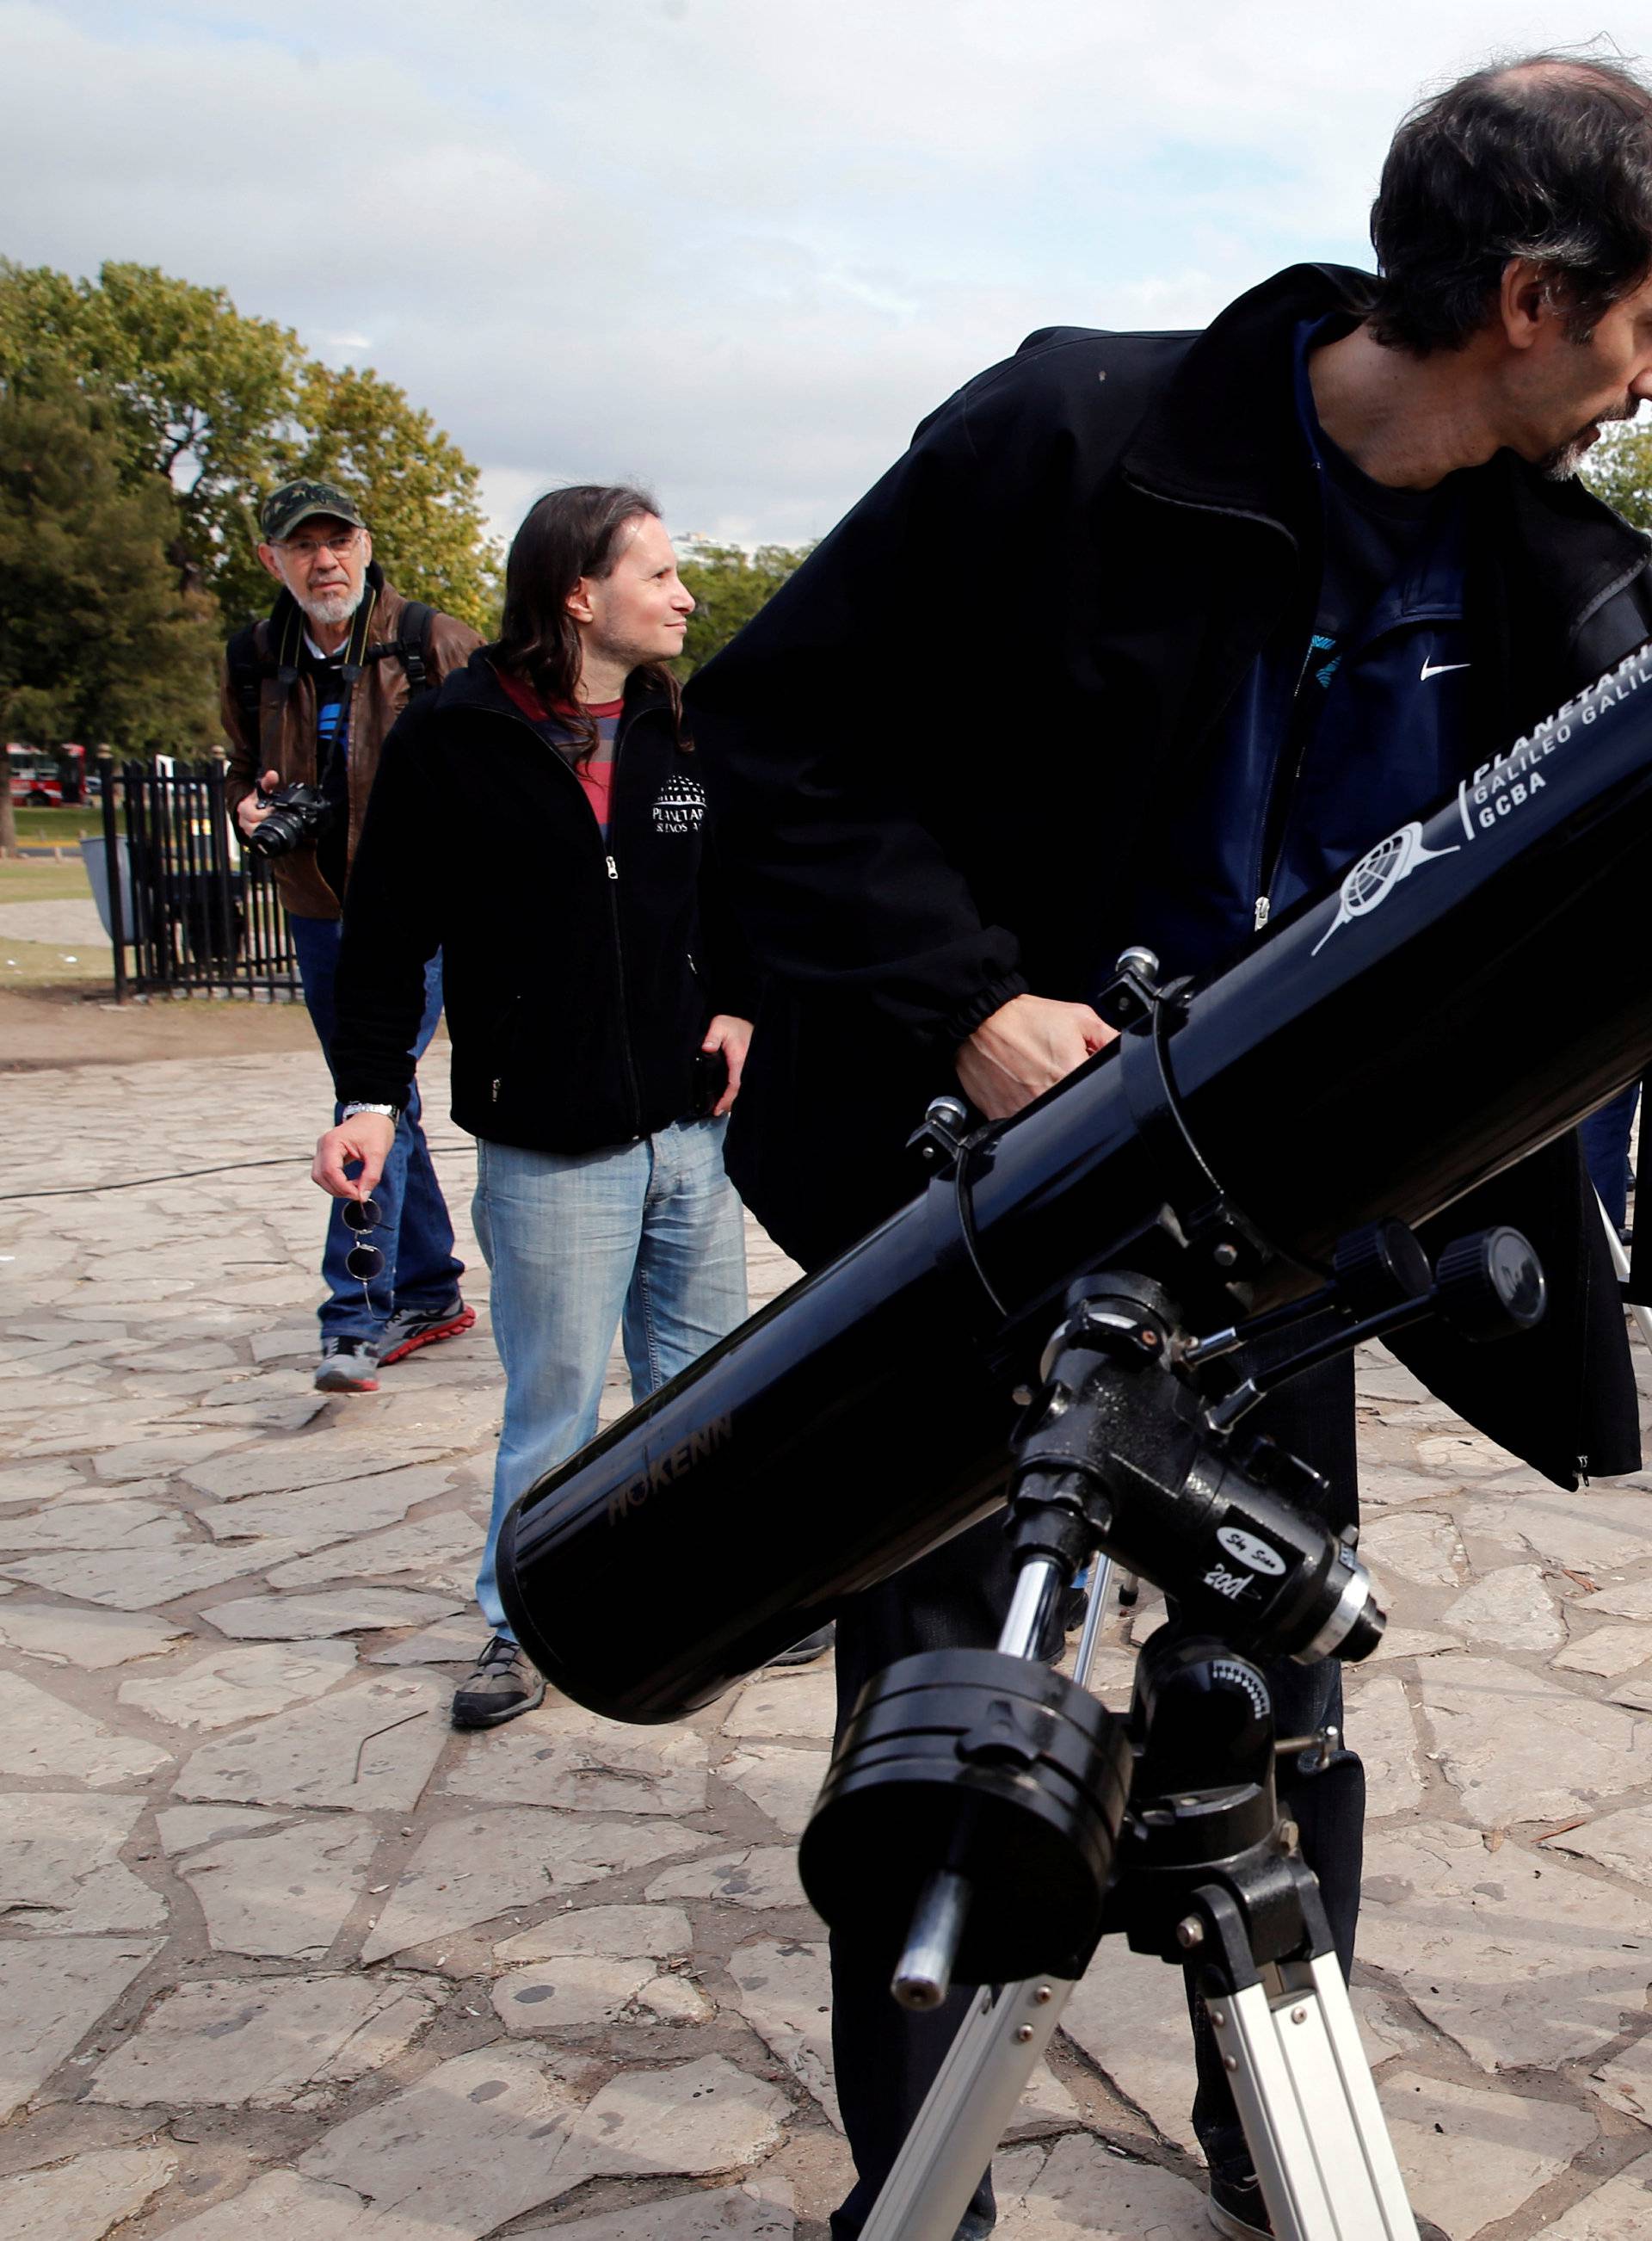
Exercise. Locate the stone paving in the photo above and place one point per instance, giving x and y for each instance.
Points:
(282, 1953)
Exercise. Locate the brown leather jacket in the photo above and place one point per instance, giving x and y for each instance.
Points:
(286, 741)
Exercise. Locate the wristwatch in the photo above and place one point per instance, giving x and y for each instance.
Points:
(390, 1112)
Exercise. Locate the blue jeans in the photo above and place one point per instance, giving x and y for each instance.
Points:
(648, 1236)
(420, 1275)
(1605, 1151)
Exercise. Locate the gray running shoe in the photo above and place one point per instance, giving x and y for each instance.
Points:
(409, 1329)
(347, 1365)
(500, 1685)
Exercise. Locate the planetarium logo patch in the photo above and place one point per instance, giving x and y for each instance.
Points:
(679, 807)
(1377, 873)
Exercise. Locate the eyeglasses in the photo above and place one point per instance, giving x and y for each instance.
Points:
(310, 548)
(362, 1262)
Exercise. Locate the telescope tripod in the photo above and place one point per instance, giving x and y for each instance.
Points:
(1251, 1923)
(988, 1819)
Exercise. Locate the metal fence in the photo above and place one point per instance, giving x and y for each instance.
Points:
(202, 916)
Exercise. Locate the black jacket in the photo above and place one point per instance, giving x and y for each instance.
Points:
(577, 980)
(944, 755)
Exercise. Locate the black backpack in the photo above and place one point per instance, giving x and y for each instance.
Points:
(410, 645)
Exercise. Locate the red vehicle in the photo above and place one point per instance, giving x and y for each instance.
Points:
(46, 777)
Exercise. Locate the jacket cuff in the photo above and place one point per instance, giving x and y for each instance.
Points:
(357, 1087)
(959, 1025)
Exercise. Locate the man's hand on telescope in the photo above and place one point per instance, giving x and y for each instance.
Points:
(1026, 1048)
(365, 1136)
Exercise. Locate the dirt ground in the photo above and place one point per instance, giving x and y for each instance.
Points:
(66, 1026)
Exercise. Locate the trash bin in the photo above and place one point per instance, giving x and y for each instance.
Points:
(94, 855)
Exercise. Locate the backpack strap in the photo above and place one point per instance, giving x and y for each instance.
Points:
(247, 672)
(413, 645)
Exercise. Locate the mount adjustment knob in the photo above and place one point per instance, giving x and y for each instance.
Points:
(1381, 1266)
(1490, 1285)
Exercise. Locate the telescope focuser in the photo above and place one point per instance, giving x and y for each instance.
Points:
(1487, 1286)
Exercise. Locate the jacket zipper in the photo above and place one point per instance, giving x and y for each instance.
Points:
(1268, 873)
(1263, 904)
(613, 905)
(619, 955)
(1267, 869)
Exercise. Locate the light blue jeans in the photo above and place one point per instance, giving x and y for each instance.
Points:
(648, 1236)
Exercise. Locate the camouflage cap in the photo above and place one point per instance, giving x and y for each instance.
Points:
(285, 508)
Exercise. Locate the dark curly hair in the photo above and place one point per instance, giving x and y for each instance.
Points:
(1548, 158)
(568, 534)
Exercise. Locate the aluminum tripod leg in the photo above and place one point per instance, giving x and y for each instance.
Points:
(975, 2094)
(1620, 1268)
(1309, 2109)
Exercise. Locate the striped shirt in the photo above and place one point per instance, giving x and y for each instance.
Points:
(557, 728)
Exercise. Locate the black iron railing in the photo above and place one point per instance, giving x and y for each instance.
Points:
(202, 916)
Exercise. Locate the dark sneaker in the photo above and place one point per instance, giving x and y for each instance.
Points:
(405, 1331)
(500, 1685)
(811, 1647)
(1235, 2207)
(347, 1365)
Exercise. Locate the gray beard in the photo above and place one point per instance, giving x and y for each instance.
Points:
(1563, 462)
(336, 607)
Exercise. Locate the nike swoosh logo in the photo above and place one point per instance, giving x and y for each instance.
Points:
(1439, 668)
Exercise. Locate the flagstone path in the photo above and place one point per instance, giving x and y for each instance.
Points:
(280, 1952)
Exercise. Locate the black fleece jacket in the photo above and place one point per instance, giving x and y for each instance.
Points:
(949, 750)
(578, 979)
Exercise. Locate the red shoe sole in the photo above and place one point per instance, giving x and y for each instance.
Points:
(360, 1385)
(460, 1323)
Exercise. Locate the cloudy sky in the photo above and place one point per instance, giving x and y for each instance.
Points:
(731, 248)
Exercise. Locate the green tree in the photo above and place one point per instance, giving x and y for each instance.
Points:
(214, 408)
(729, 586)
(1620, 469)
(202, 396)
(416, 489)
(98, 641)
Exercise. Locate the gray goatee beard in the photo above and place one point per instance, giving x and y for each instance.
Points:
(332, 607)
(1563, 462)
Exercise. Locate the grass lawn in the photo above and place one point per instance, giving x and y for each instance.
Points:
(30, 964)
(41, 879)
(58, 828)
(46, 965)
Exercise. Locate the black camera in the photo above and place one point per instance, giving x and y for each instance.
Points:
(299, 816)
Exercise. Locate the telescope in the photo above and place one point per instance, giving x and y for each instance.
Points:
(1471, 987)
(1073, 1319)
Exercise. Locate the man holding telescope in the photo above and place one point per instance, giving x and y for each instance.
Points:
(1286, 582)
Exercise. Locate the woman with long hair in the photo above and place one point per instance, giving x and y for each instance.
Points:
(541, 818)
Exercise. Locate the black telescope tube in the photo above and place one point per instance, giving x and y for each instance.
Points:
(1472, 987)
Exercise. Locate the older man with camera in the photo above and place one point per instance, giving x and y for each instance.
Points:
(309, 694)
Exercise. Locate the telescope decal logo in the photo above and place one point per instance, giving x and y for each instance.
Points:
(1249, 1550)
(665, 1469)
(1379, 869)
(1231, 1584)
